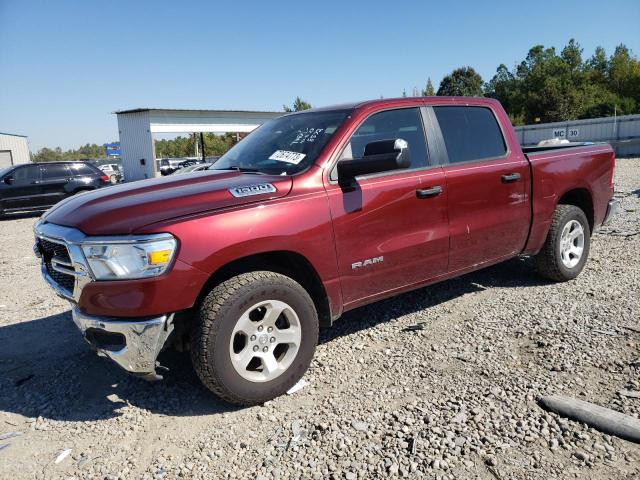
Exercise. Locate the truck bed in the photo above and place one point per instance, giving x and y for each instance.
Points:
(584, 170)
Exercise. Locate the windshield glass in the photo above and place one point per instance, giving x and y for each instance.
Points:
(285, 145)
(4, 171)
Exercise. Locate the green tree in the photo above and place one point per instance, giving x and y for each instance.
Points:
(428, 91)
(298, 106)
(463, 81)
(85, 152)
(549, 87)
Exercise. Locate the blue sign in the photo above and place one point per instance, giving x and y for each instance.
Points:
(113, 149)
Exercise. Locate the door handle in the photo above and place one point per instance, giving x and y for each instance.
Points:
(429, 192)
(510, 178)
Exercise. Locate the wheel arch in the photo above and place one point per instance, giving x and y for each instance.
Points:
(581, 198)
(285, 262)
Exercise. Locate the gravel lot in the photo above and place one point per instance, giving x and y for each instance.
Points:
(454, 398)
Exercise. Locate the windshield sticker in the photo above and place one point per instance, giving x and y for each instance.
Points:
(307, 135)
(286, 156)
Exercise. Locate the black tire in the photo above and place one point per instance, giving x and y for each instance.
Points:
(549, 259)
(218, 314)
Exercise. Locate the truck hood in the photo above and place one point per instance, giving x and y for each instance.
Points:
(123, 209)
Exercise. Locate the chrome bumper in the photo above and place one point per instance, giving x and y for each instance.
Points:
(612, 209)
(132, 344)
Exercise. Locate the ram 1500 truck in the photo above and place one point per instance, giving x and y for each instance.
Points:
(313, 214)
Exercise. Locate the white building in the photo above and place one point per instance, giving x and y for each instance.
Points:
(13, 150)
(137, 129)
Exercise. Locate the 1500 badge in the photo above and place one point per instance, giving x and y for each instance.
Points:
(248, 190)
(367, 262)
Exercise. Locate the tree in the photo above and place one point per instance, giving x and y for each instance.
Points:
(548, 87)
(298, 106)
(85, 152)
(428, 91)
(463, 81)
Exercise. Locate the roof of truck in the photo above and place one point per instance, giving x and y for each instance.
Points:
(401, 100)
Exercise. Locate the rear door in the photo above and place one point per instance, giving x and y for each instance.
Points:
(388, 235)
(487, 185)
(22, 189)
(55, 177)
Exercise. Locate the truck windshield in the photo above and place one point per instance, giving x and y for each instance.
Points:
(285, 145)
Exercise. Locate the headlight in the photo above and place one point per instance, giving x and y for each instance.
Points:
(128, 260)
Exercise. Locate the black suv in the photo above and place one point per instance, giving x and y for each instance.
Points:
(37, 186)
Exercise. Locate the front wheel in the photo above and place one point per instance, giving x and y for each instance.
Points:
(255, 337)
(566, 248)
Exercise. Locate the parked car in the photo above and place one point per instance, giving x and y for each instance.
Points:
(189, 163)
(168, 165)
(112, 170)
(315, 213)
(193, 168)
(37, 186)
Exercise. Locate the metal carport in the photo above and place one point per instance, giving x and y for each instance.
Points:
(137, 127)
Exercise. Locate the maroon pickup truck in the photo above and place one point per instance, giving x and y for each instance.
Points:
(313, 214)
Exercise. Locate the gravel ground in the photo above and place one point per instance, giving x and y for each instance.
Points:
(438, 383)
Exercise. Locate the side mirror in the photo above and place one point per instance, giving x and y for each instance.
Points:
(379, 156)
(8, 180)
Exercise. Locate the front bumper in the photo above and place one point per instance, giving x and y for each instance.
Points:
(612, 210)
(134, 344)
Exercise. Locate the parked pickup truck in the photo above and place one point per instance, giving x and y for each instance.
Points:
(313, 214)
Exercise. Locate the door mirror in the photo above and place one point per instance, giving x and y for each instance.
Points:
(379, 156)
(8, 180)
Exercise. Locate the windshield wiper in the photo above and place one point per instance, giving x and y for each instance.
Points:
(240, 169)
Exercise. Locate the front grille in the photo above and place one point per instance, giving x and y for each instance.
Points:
(49, 251)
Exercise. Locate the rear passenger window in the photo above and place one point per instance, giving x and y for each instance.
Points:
(470, 133)
(404, 123)
(55, 171)
(81, 169)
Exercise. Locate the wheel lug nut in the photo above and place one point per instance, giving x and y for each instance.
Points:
(272, 339)
(253, 337)
(255, 348)
(265, 349)
(260, 328)
(270, 329)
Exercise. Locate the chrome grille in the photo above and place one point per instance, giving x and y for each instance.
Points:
(56, 258)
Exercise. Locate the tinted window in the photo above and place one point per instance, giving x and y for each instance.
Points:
(405, 123)
(26, 175)
(55, 171)
(81, 169)
(470, 133)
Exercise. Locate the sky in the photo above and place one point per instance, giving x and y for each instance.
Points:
(65, 66)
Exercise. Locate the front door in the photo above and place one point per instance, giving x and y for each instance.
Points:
(391, 229)
(487, 185)
(21, 189)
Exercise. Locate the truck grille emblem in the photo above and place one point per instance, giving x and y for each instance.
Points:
(248, 190)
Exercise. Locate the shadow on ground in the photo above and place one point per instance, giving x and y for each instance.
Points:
(47, 370)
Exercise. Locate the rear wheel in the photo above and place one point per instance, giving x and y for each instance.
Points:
(255, 337)
(566, 248)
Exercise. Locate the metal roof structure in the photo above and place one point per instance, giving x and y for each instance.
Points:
(13, 135)
(137, 128)
(151, 109)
